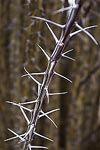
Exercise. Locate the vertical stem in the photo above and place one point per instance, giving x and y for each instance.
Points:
(63, 41)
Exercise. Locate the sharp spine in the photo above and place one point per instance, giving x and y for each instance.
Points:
(49, 21)
(62, 77)
(86, 32)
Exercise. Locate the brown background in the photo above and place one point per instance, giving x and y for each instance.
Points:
(79, 117)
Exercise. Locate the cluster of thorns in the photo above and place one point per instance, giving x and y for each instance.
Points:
(58, 52)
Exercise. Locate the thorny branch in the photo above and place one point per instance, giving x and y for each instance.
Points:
(61, 43)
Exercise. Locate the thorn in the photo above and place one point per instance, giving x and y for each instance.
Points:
(53, 34)
(76, 32)
(90, 35)
(31, 76)
(22, 139)
(65, 9)
(68, 51)
(15, 137)
(43, 52)
(49, 21)
(30, 102)
(49, 112)
(47, 94)
(15, 104)
(34, 74)
(26, 118)
(39, 147)
(62, 77)
(61, 93)
(62, 10)
(67, 57)
(49, 118)
(44, 137)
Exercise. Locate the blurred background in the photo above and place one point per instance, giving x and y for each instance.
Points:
(79, 117)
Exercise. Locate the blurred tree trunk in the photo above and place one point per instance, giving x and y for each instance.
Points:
(10, 43)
